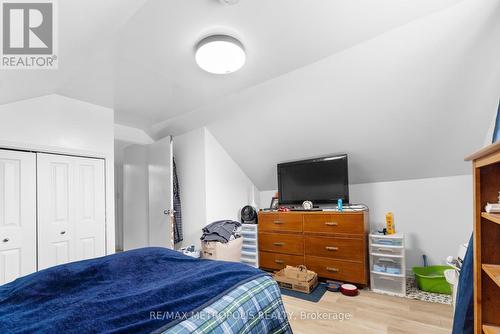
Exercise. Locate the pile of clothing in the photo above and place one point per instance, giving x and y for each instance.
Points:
(221, 231)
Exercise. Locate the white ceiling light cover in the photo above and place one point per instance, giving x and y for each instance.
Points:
(220, 54)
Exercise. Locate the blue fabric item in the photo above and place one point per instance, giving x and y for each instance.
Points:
(116, 293)
(496, 132)
(463, 322)
(252, 308)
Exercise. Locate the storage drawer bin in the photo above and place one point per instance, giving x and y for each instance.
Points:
(388, 284)
(386, 241)
(386, 264)
(386, 250)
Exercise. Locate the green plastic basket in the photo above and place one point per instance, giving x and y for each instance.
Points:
(431, 279)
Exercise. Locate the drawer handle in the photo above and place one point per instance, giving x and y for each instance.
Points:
(387, 278)
(330, 248)
(63, 232)
(279, 243)
(6, 240)
(385, 250)
(279, 261)
(331, 223)
(333, 270)
(278, 222)
(387, 260)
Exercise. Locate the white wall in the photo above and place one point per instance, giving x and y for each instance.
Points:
(228, 188)
(58, 124)
(212, 185)
(435, 213)
(135, 197)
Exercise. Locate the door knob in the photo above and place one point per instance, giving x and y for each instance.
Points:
(6, 240)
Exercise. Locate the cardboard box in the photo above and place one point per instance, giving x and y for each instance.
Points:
(297, 279)
(230, 251)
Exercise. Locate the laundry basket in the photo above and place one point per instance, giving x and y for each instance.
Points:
(451, 276)
(431, 279)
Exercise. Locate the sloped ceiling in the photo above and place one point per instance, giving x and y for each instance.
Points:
(87, 30)
(406, 87)
(410, 103)
(156, 75)
(137, 56)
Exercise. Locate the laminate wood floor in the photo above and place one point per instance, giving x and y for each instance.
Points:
(370, 313)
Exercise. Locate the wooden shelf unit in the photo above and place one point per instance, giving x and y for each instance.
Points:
(489, 329)
(486, 177)
(493, 271)
(493, 217)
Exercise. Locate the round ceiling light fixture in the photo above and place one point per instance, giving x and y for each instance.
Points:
(220, 54)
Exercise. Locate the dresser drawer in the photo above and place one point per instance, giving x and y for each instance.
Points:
(338, 248)
(281, 243)
(334, 223)
(337, 269)
(279, 261)
(280, 222)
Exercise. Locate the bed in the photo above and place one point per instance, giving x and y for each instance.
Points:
(148, 290)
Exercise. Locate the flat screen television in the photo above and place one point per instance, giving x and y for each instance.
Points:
(322, 180)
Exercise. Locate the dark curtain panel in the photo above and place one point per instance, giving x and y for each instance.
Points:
(496, 132)
(463, 321)
(177, 207)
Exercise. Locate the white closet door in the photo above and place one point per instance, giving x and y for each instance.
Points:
(90, 208)
(17, 214)
(56, 210)
(71, 214)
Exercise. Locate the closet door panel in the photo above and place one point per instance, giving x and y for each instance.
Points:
(71, 209)
(90, 209)
(17, 214)
(56, 212)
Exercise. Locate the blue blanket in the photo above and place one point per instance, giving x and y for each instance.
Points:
(129, 292)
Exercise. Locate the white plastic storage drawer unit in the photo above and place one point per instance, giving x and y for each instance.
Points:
(387, 264)
(249, 251)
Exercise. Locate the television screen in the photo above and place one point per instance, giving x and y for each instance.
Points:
(321, 180)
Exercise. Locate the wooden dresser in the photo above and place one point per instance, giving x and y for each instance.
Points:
(333, 244)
